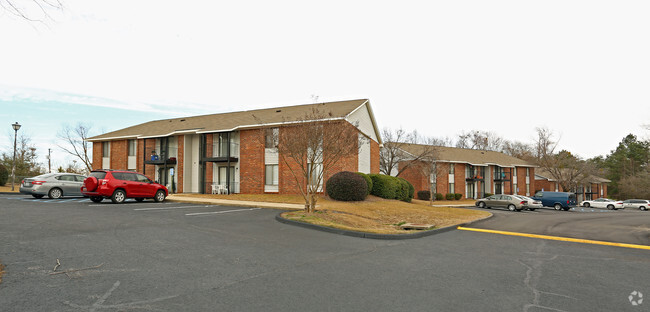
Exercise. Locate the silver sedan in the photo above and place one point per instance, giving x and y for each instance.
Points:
(54, 185)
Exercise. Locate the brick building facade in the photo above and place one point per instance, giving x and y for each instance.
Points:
(226, 153)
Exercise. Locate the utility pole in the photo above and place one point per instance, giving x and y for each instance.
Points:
(49, 160)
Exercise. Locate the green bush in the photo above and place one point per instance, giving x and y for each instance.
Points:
(424, 195)
(458, 196)
(439, 196)
(347, 186)
(488, 194)
(368, 181)
(406, 190)
(450, 196)
(4, 175)
(383, 186)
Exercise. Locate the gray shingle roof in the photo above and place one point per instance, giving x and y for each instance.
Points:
(544, 174)
(231, 121)
(470, 156)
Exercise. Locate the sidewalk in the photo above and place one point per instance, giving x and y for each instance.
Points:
(236, 203)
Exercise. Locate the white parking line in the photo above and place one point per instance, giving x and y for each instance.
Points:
(167, 208)
(216, 212)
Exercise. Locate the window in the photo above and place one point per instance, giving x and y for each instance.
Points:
(452, 168)
(272, 138)
(528, 172)
(106, 149)
(271, 175)
(132, 149)
(316, 177)
(514, 172)
(142, 178)
(451, 188)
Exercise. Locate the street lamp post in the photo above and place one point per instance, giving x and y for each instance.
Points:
(16, 126)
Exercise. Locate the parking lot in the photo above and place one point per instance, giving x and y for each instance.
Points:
(173, 256)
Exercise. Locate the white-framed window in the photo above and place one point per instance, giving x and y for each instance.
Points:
(106, 149)
(132, 147)
(452, 168)
(272, 138)
(271, 175)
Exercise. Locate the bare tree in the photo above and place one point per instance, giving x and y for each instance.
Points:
(519, 150)
(394, 152)
(568, 170)
(312, 148)
(31, 10)
(481, 140)
(75, 143)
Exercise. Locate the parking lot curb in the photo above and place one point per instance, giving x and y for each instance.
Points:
(418, 234)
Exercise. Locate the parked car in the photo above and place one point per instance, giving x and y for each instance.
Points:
(54, 185)
(642, 204)
(118, 185)
(532, 203)
(557, 200)
(511, 202)
(603, 203)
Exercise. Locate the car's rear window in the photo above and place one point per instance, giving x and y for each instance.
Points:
(98, 174)
(572, 196)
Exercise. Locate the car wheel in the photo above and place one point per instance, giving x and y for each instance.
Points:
(512, 207)
(566, 208)
(531, 209)
(160, 196)
(118, 197)
(139, 199)
(96, 199)
(610, 207)
(643, 208)
(55, 193)
(37, 196)
(557, 207)
(481, 204)
(586, 205)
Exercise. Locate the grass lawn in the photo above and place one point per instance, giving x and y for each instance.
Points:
(374, 215)
(7, 188)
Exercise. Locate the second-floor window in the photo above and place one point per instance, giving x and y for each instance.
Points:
(452, 168)
(271, 139)
(132, 150)
(106, 147)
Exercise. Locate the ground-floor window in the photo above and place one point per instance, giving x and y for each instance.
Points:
(271, 175)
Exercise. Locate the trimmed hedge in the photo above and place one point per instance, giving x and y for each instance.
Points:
(458, 196)
(368, 181)
(4, 175)
(439, 196)
(389, 187)
(347, 186)
(424, 195)
(450, 196)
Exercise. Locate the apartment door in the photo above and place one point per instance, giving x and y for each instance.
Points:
(224, 177)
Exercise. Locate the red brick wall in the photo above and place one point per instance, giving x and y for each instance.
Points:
(374, 157)
(209, 178)
(179, 161)
(97, 155)
(415, 174)
(251, 162)
(119, 154)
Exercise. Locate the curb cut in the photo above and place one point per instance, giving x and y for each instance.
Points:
(421, 234)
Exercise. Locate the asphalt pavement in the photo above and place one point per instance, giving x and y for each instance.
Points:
(191, 257)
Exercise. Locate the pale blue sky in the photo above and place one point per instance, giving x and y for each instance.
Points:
(579, 68)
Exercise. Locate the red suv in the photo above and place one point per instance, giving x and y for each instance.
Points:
(118, 185)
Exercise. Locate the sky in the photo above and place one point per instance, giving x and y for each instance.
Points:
(579, 68)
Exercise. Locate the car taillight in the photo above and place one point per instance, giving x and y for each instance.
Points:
(38, 182)
(523, 202)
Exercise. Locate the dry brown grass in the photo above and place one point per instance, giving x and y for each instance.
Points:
(2, 271)
(269, 198)
(377, 215)
(7, 188)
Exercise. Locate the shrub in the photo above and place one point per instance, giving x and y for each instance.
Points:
(347, 186)
(458, 196)
(488, 194)
(4, 175)
(439, 196)
(384, 186)
(449, 196)
(406, 190)
(424, 195)
(368, 181)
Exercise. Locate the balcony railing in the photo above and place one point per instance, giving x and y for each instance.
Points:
(162, 157)
(221, 188)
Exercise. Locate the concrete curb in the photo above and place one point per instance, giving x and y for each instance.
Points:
(235, 203)
(420, 234)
